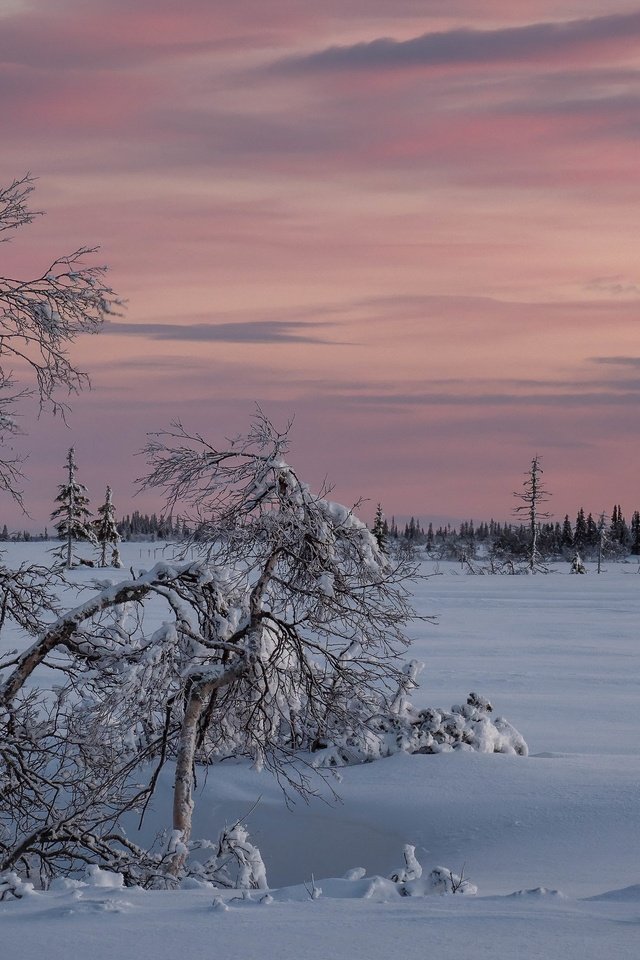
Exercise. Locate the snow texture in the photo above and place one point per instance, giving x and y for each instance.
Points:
(549, 840)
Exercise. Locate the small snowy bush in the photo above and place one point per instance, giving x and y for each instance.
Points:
(412, 870)
(236, 864)
(464, 727)
(440, 880)
(11, 885)
(443, 880)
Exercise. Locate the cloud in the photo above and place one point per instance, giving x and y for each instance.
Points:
(462, 47)
(506, 399)
(618, 361)
(108, 34)
(248, 331)
(615, 286)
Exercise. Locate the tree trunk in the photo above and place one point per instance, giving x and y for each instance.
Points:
(183, 785)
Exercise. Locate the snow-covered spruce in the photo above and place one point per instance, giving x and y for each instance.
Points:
(106, 531)
(72, 515)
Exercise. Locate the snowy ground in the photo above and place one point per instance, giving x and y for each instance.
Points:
(558, 656)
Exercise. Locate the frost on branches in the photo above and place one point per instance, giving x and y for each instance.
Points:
(235, 864)
(287, 630)
(282, 643)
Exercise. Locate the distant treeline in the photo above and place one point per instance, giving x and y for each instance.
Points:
(619, 538)
(446, 541)
(135, 526)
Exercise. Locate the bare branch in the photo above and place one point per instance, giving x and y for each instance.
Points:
(40, 319)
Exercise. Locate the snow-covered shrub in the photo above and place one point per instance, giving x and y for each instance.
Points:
(577, 566)
(11, 885)
(411, 882)
(466, 727)
(443, 880)
(412, 870)
(405, 728)
(236, 863)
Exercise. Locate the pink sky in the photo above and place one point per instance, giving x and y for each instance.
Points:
(409, 224)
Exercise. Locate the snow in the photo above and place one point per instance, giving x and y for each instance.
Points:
(550, 840)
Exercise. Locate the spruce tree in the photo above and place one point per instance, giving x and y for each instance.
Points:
(105, 528)
(430, 538)
(592, 535)
(378, 529)
(566, 537)
(635, 533)
(618, 530)
(580, 534)
(602, 538)
(72, 515)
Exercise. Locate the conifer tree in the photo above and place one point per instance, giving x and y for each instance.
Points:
(430, 538)
(378, 529)
(602, 538)
(635, 533)
(72, 515)
(592, 535)
(618, 531)
(566, 537)
(580, 534)
(105, 528)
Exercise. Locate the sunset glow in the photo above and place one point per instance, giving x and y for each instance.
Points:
(411, 226)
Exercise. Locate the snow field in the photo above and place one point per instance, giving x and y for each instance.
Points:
(557, 655)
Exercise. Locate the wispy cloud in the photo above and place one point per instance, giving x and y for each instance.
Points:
(615, 285)
(257, 331)
(618, 361)
(459, 47)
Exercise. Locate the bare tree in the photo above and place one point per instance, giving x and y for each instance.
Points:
(39, 319)
(533, 496)
(283, 637)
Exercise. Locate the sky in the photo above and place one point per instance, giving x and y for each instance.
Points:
(409, 225)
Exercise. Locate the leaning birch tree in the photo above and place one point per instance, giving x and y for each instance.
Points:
(285, 636)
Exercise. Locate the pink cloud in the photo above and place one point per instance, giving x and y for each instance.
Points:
(557, 41)
(403, 255)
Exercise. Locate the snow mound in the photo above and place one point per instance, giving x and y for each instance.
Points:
(406, 881)
(106, 879)
(623, 895)
(537, 892)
